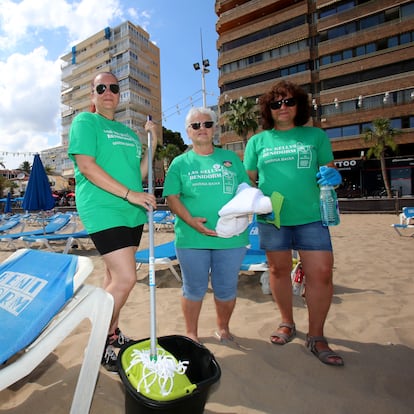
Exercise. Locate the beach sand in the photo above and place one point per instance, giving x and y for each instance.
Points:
(370, 323)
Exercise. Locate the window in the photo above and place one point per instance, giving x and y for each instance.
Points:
(371, 21)
(392, 41)
(333, 133)
(405, 38)
(360, 51)
(347, 54)
(396, 123)
(350, 130)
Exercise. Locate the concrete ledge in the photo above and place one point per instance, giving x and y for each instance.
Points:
(374, 205)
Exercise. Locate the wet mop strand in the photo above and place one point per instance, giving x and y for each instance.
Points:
(160, 378)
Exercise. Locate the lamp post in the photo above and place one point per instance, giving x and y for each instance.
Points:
(204, 65)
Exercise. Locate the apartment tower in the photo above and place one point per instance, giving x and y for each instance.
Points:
(355, 58)
(126, 51)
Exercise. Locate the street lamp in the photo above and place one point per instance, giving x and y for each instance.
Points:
(204, 65)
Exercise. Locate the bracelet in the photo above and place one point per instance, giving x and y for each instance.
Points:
(126, 195)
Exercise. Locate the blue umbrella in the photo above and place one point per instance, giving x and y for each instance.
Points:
(38, 195)
(8, 205)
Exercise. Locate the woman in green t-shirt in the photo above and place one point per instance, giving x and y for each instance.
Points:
(285, 157)
(198, 184)
(109, 169)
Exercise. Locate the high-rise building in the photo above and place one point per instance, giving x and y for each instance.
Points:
(354, 57)
(127, 52)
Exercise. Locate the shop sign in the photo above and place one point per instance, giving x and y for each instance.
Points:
(347, 164)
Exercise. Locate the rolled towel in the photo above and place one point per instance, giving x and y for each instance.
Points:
(234, 215)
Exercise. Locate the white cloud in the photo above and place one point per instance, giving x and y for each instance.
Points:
(30, 82)
(29, 108)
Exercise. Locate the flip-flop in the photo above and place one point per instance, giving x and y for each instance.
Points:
(325, 355)
(283, 337)
(223, 339)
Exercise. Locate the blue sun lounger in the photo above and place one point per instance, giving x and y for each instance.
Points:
(45, 239)
(163, 254)
(12, 224)
(57, 224)
(42, 299)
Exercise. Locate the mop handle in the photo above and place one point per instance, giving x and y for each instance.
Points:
(153, 336)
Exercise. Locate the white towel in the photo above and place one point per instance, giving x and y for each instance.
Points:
(234, 216)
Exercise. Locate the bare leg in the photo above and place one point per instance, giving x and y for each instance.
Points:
(191, 310)
(120, 279)
(224, 310)
(317, 266)
(280, 268)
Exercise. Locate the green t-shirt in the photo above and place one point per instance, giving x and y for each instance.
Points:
(205, 184)
(287, 162)
(116, 149)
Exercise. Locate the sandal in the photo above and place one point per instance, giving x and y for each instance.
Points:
(325, 355)
(281, 338)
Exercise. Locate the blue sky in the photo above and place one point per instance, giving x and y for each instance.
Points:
(35, 33)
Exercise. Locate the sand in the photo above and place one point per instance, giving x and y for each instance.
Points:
(370, 323)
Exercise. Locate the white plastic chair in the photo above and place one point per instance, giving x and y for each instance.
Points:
(33, 342)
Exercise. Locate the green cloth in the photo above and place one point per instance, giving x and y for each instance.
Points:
(286, 162)
(273, 217)
(116, 149)
(205, 183)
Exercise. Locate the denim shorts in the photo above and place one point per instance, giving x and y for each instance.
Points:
(311, 236)
(222, 265)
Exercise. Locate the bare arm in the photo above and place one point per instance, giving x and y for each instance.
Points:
(253, 177)
(96, 175)
(197, 223)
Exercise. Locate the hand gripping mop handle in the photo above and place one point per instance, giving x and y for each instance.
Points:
(153, 336)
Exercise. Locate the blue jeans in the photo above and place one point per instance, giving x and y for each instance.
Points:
(311, 236)
(222, 265)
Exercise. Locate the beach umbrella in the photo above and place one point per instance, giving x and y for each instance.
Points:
(8, 205)
(38, 195)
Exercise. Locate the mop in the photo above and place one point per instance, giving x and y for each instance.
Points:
(152, 370)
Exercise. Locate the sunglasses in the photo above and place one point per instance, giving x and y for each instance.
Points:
(197, 125)
(278, 104)
(113, 87)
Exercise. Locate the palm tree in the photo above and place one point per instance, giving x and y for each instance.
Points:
(25, 166)
(168, 153)
(381, 137)
(242, 117)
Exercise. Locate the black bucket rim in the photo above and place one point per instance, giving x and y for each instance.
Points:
(201, 385)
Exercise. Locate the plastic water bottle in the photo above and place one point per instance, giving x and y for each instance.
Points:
(329, 206)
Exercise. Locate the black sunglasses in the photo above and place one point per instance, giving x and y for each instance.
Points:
(278, 104)
(113, 87)
(197, 125)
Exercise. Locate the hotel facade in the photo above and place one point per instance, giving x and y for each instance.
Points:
(355, 58)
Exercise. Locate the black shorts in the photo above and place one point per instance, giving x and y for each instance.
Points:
(109, 240)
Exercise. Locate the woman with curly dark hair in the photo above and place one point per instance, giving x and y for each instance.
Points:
(286, 158)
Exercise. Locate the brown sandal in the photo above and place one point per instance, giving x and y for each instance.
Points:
(325, 355)
(284, 338)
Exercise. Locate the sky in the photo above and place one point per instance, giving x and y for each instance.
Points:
(35, 33)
